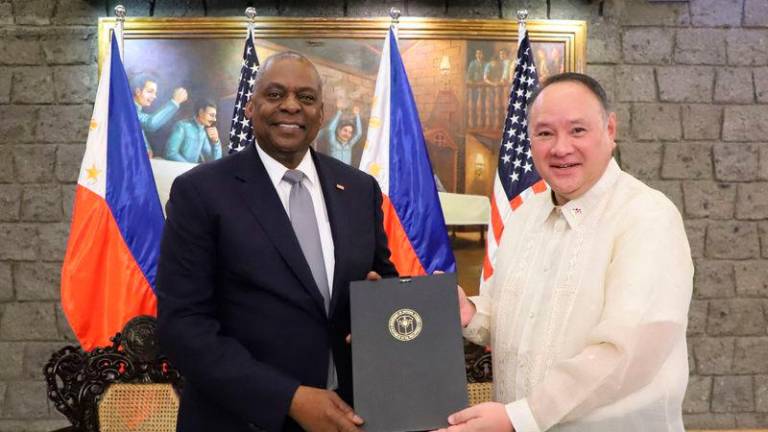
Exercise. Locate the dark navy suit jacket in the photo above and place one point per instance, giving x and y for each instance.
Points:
(238, 310)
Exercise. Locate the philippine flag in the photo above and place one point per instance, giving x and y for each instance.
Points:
(108, 274)
(396, 155)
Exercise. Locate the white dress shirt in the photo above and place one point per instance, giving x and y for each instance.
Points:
(587, 312)
(311, 182)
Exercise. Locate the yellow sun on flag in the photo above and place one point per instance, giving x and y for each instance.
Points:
(374, 169)
(92, 173)
(374, 122)
(94, 124)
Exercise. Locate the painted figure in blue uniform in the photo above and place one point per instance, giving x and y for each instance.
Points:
(144, 87)
(343, 136)
(493, 73)
(475, 72)
(507, 65)
(195, 139)
(476, 66)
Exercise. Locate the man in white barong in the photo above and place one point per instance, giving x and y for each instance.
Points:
(587, 314)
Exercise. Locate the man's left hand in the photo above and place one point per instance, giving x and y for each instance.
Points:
(484, 417)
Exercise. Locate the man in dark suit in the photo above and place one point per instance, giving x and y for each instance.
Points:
(257, 255)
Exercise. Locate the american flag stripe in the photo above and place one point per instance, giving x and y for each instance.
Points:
(496, 218)
(498, 222)
(500, 210)
(516, 177)
(487, 266)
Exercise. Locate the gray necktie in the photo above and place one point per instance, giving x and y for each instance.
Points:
(302, 214)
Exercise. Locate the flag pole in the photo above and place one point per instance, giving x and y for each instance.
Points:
(394, 15)
(522, 16)
(120, 13)
(250, 12)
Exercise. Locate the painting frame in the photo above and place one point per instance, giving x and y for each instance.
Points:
(568, 35)
(571, 32)
(463, 149)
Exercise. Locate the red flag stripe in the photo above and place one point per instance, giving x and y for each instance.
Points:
(496, 221)
(539, 187)
(100, 259)
(487, 268)
(404, 255)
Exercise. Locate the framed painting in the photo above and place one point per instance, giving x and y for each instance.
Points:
(459, 71)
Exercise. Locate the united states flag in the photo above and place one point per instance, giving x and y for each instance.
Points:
(517, 178)
(240, 133)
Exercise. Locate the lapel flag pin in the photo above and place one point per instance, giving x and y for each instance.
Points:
(339, 186)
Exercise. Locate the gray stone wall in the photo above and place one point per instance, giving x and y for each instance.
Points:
(689, 82)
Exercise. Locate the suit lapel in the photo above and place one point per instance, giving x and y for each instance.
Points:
(258, 192)
(337, 214)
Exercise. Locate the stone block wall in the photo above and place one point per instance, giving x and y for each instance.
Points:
(691, 74)
(689, 81)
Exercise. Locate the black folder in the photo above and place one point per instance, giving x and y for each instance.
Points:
(407, 353)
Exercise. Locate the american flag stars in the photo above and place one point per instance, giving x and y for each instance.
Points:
(240, 134)
(516, 170)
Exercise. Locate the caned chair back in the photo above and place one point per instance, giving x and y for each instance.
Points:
(138, 408)
(479, 393)
(128, 386)
(479, 364)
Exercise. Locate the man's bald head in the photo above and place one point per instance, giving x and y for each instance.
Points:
(288, 55)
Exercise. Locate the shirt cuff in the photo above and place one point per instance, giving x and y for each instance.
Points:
(477, 329)
(521, 416)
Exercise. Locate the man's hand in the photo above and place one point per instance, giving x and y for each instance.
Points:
(484, 417)
(180, 95)
(213, 134)
(322, 410)
(356, 110)
(466, 308)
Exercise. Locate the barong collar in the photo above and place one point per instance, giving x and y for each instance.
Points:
(577, 210)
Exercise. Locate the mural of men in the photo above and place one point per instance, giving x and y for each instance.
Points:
(144, 87)
(195, 139)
